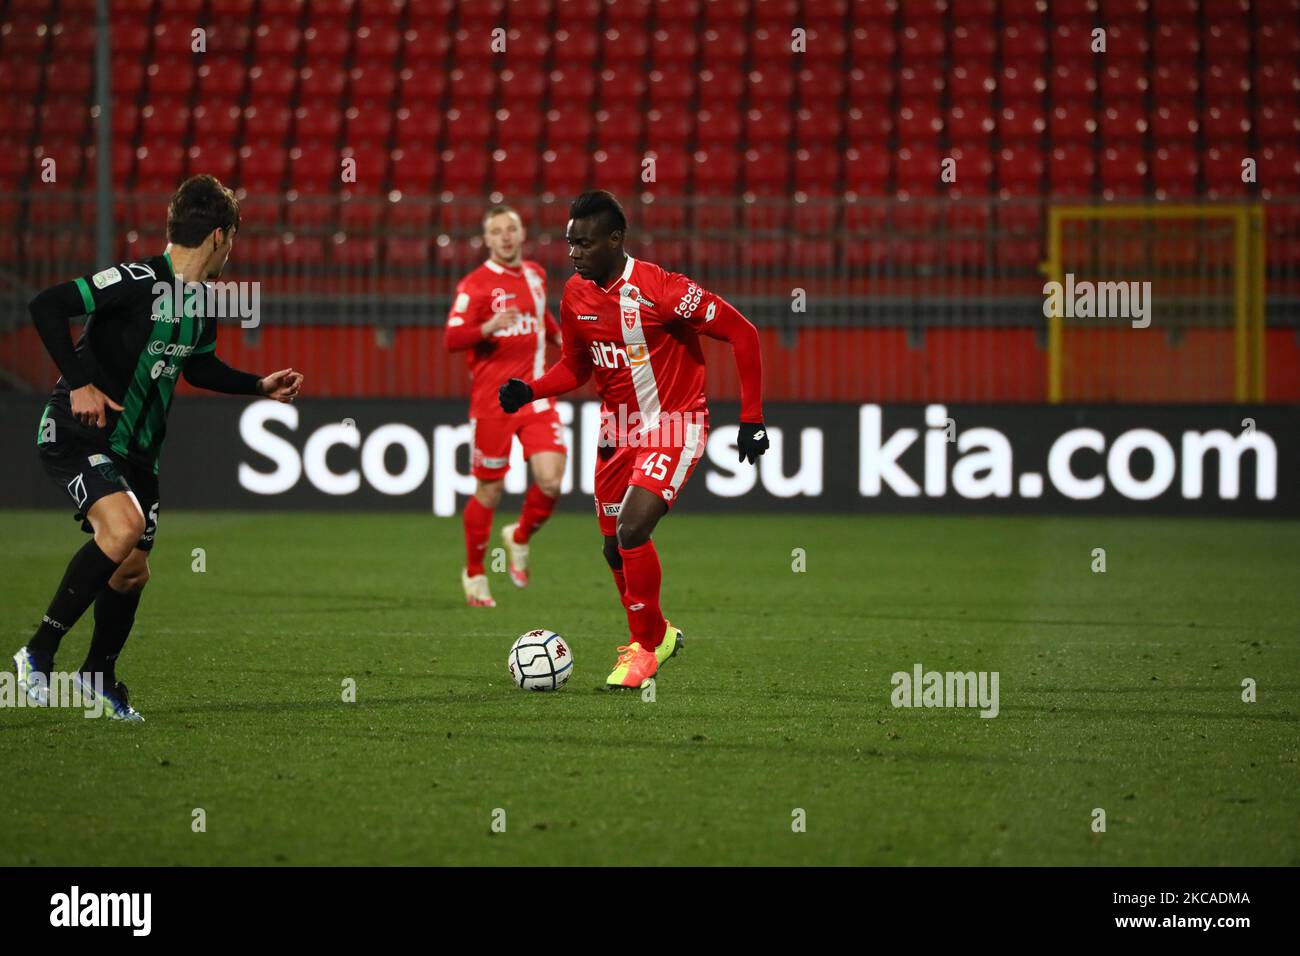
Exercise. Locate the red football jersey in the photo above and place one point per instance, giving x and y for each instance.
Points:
(516, 352)
(640, 338)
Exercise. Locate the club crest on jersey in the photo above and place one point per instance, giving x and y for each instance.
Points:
(630, 316)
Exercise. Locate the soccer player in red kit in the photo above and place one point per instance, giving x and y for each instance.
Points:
(500, 320)
(636, 328)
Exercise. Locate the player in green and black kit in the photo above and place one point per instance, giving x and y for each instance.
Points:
(101, 432)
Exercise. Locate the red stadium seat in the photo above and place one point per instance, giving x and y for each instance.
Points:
(1073, 121)
(518, 126)
(722, 47)
(1175, 121)
(970, 123)
(768, 126)
(973, 167)
(318, 124)
(580, 44)
(1222, 168)
(415, 170)
(919, 122)
(671, 126)
(1175, 170)
(1072, 82)
(426, 47)
(373, 86)
(276, 42)
(471, 126)
(471, 89)
(217, 121)
(1225, 125)
(1278, 123)
(377, 43)
(721, 88)
(574, 86)
(572, 126)
(262, 170)
(1123, 122)
(1020, 122)
(327, 44)
(716, 172)
(272, 81)
(821, 87)
(971, 82)
(1123, 171)
(417, 128)
(1023, 41)
(566, 171)
(464, 170)
(322, 84)
(814, 128)
(523, 86)
(1020, 168)
(1175, 81)
(1230, 82)
(267, 122)
(1121, 81)
(873, 45)
(671, 168)
(973, 39)
(1071, 172)
(515, 172)
(216, 157)
(620, 167)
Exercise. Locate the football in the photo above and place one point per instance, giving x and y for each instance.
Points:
(540, 660)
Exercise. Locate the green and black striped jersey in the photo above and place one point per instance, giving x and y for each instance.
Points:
(133, 348)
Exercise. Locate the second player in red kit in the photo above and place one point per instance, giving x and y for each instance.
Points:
(636, 328)
(500, 320)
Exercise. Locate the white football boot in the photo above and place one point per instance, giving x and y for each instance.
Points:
(477, 592)
(518, 556)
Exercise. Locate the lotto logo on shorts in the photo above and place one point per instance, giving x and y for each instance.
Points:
(668, 494)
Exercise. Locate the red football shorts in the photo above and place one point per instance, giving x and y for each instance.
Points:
(662, 468)
(537, 431)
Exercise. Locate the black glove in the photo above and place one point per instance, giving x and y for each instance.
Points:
(514, 395)
(752, 441)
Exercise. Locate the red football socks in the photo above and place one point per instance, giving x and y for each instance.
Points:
(537, 508)
(641, 597)
(478, 526)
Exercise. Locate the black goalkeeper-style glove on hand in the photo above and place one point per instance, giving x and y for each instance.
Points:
(752, 441)
(514, 395)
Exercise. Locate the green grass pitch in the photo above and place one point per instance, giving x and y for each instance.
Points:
(1120, 691)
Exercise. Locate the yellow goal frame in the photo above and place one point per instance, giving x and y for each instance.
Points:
(1248, 281)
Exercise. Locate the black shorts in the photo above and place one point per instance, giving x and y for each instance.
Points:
(79, 461)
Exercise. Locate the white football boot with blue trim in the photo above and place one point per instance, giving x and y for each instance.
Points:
(117, 706)
(34, 681)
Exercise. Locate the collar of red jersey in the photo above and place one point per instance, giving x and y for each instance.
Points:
(627, 274)
(504, 270)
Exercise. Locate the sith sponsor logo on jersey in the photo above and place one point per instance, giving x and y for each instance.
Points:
(612, 355)
(526, 325)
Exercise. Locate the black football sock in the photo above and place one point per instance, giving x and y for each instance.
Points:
(114, 615)
(88, 572)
